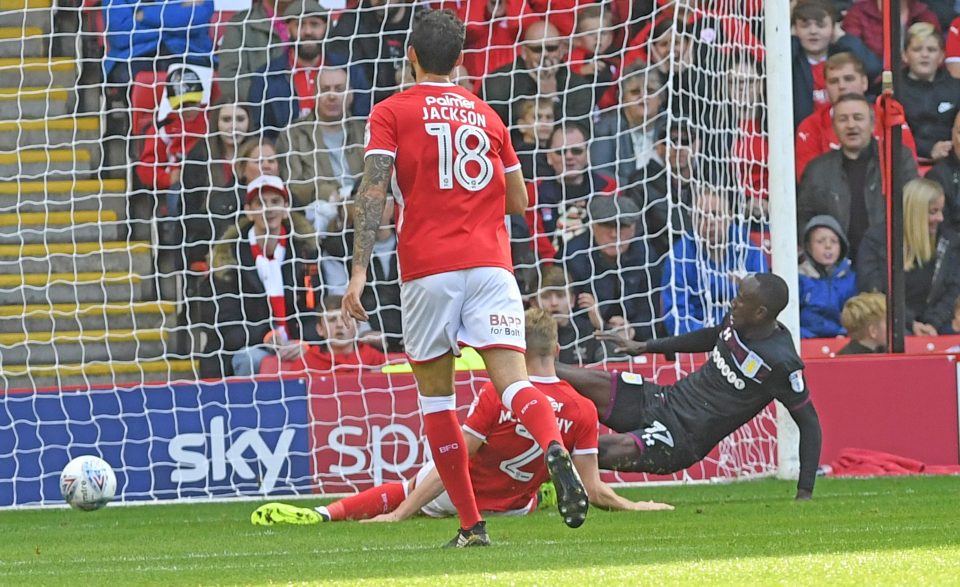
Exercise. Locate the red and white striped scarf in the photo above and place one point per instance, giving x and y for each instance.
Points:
(269, 270)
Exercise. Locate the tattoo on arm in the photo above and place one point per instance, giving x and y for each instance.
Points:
(371, 197)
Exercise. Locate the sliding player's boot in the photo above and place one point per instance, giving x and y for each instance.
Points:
(571, 496)
(280, 513)
(475, 536)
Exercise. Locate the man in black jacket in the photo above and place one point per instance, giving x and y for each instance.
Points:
(947, 174)
(752, 362)
(846, 183)
(540, 71)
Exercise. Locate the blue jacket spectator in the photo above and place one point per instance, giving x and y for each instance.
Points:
(827, 279)
(612, 264)
(700, 278)
(144, 29)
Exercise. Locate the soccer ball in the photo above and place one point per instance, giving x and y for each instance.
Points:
(88, 483)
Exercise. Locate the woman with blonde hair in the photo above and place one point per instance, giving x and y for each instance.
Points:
(931, 259)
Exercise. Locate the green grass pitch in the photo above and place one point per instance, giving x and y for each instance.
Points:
(855, 532)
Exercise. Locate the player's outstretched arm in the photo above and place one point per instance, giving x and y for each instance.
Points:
(698, 341)
(368, 208)
(428, 489)
(810, 438)
(602, 495)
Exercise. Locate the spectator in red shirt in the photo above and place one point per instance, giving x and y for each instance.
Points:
(493, 33)
(340, 347)
(864, 20)
(815, 135)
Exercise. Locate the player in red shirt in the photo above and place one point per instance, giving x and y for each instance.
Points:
(505, 463)
(457, 175)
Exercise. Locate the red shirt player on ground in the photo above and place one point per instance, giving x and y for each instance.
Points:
(456, 177)
(506, 463)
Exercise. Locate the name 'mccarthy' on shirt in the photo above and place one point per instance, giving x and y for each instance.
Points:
(509, 470)
(451, 153)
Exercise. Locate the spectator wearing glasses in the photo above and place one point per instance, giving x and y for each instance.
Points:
(558, 204)
(539, 71)
(611, 263)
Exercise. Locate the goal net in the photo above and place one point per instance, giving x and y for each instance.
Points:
(136, 310)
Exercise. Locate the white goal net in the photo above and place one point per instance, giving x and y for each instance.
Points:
(135, 310)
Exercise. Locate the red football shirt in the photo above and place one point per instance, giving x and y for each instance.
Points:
(508, 471)
(451, 153)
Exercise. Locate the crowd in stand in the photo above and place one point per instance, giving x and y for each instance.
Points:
(641, 129)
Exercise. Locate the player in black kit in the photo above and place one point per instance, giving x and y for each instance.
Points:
(664, 429)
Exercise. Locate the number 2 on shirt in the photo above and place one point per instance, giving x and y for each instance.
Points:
(456, 166)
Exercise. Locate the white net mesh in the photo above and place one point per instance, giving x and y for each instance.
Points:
(125, 264)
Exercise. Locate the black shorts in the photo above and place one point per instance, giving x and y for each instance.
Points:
(638, 408)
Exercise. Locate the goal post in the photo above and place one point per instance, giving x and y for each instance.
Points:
(109, 322)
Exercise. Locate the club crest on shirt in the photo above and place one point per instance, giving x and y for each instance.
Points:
(751, 365)
(796, 381)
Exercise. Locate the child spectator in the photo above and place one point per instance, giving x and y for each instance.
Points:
(577, 316)
(814, 27)
(531, 137)
(594, 56)
(827, 279)
(174, 165)
(865, 318)
(339, 347)
(930, 96)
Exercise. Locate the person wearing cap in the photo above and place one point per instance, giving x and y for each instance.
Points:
(702, 275)
(827, 279)
(265, 280)
(284, 91)
(612, 263)
(664, 188)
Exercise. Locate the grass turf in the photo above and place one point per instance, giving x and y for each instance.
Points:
(881, 531)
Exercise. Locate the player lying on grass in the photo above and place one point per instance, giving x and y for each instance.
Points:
(664, 429)
(506, 464)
